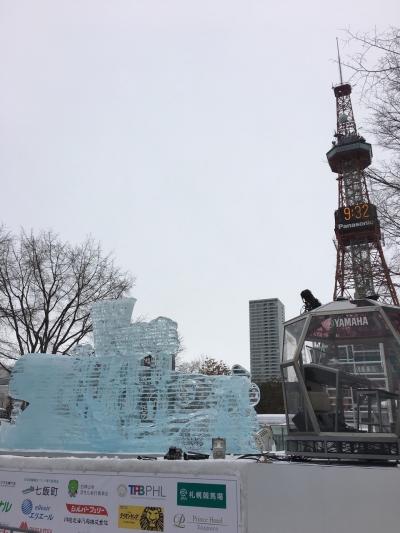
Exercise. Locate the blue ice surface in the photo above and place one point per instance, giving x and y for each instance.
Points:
(126, 398)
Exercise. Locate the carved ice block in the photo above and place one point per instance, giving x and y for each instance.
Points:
(126, 397)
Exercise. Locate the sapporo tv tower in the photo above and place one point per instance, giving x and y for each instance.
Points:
(360, 267)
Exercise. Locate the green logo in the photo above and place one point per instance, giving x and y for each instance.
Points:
(73, 487)
(201, 495)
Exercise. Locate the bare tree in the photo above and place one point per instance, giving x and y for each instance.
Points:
(47, 288)
(189, 367)
(375, 70)
(375, 67)
(212, 367)
(204, 365)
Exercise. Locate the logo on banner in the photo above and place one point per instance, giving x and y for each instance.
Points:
(208, 520)
(76, 508)
(41, 491)
(179, 520)
(7, 484)
(122, 490)
(5, 506)
(201, 495)
(36, 512)
(27, 506)
(84, 489)
(147, 491)
(73, 487)
(24, 526)
(350, 321)
(141, 518)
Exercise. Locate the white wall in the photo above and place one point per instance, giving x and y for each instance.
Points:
(309, 498)
(275, 497)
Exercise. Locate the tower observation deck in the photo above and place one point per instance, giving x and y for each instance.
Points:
(361, 269)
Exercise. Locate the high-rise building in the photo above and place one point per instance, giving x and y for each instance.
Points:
(266, 338)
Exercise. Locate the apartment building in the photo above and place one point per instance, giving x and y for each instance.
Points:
(266, 338)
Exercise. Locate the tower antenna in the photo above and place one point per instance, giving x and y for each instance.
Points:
(340, 64)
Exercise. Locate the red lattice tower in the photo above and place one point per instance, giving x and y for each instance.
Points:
(361, 269)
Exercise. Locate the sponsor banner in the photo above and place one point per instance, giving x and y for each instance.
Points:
(201, 495)
(68, 502)
(86, 509)
(141, 518)
(348, 326)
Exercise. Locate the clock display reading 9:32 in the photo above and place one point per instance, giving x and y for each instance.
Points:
(357, 212)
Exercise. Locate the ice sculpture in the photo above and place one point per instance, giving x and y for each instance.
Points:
(127, 397)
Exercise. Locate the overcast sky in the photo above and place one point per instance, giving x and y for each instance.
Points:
(189, 138)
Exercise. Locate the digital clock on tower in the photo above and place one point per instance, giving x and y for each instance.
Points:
(358, 215)
(357, 212)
